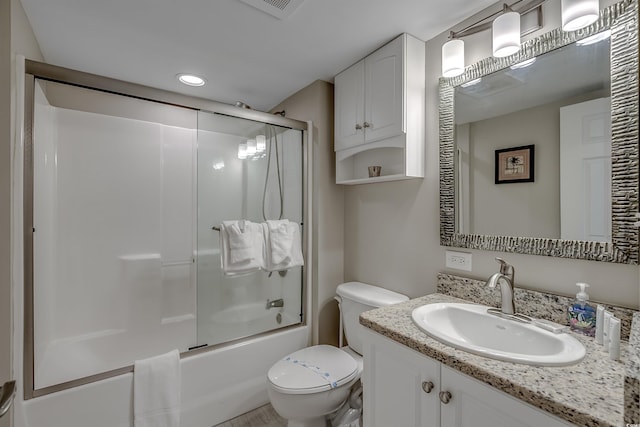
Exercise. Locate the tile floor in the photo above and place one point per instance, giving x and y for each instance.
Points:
(264, 416)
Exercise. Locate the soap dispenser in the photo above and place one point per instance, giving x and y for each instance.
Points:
(582, 314)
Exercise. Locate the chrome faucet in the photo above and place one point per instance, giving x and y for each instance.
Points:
(275, 303)
(505, 278)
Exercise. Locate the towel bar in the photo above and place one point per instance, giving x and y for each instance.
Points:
(218, 228)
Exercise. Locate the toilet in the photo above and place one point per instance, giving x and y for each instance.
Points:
(310, 384)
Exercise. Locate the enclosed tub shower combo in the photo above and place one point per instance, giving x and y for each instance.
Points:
(126, 193)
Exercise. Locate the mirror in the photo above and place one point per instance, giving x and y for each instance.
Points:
(539, 150)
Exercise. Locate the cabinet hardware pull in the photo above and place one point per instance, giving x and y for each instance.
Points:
(445, 397)
(427, 386)
(358, 127)
(367, 125)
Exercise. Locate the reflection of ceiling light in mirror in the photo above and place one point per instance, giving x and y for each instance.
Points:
(261, 143)
(251, 147)
(471, 83)
(506, 34)
(578, 14)
(190, 80)
(523, 64)
(217, 165)
(453, 58)
(242, 151)
(605, 35)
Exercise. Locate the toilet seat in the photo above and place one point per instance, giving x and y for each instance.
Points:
(313, 370)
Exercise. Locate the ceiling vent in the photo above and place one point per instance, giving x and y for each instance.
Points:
(280, 9)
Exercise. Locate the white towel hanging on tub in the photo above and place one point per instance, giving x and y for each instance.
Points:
(241, 247)
(156, 391)
(283, 246)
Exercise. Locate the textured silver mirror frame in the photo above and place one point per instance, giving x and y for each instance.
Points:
(622, 19)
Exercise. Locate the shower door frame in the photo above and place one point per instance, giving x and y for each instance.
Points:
(38, 70)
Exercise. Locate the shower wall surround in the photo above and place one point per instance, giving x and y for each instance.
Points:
(113, 246)
(126, 260)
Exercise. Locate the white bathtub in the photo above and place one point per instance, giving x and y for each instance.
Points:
(243, 321)
(216, 386)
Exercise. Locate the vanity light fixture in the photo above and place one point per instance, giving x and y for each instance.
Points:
(578, 14)
(453, 57)
(505, 24)
(506, 33)
(190, 80)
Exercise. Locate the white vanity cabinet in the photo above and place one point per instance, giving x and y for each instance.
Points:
(379, 114)
(405, 388)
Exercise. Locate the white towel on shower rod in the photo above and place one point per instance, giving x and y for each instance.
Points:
(283, 246)
(156, 391)
(241, 247)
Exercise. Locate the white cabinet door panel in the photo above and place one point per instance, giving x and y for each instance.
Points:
(392, 378)
(474, 404)
(384, 96)
(349, 107)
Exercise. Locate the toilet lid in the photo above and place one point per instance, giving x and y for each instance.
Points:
(313, 370)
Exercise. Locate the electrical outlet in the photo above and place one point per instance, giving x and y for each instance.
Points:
(458, 260)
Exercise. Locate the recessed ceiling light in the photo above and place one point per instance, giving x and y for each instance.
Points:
(190, 80)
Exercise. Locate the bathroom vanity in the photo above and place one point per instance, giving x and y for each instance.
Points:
(411, 379)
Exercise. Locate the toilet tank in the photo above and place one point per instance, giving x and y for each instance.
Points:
(356, 298)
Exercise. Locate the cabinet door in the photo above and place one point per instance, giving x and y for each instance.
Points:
(384, 97)
(393, 380)
(349, 107)
(474, 404)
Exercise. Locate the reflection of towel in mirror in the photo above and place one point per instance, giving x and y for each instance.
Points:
(156, 391)
(241, 247)
(283, 245)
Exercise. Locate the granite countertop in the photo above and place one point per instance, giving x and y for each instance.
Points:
(590, 393)
(632, 378)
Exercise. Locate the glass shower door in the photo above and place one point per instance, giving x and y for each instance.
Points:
(251, 171)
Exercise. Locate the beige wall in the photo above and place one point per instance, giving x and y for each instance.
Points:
(392, 229)
(5, 195)
(315, 102)
(528, 209)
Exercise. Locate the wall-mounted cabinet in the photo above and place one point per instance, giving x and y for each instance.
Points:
(379, 114)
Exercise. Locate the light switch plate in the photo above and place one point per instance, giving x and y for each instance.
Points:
(458, 260)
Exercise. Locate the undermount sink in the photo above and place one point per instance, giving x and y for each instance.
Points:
(469, 327)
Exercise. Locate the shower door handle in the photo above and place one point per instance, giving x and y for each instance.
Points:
(7, 393)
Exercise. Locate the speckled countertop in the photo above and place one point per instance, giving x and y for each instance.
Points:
(632, 378)
(590, 393)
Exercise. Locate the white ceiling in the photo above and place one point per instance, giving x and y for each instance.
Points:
(245, 54)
